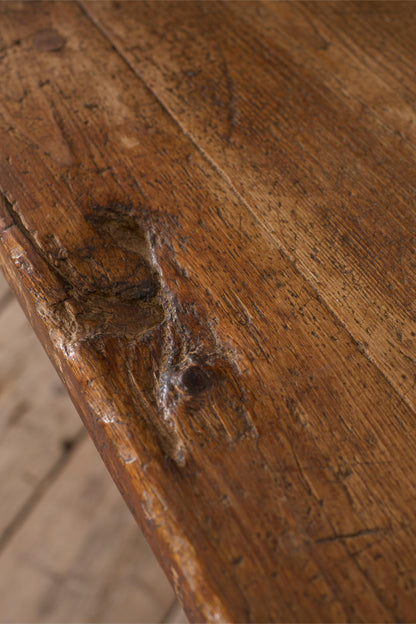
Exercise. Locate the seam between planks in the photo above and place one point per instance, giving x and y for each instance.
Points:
(230, 184)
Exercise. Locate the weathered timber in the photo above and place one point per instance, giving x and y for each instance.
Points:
(213, 239)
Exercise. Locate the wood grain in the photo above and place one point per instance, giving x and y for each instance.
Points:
(307, 109)
(220, 267)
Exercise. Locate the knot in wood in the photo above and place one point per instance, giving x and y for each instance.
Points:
(195, 380)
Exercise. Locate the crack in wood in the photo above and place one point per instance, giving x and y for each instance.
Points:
(347, 536)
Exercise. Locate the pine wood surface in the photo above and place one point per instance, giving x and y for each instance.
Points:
(59, 507)
(208, 216)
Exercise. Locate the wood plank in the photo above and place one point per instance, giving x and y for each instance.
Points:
(80, 557)
(268, 460)
(308, 110)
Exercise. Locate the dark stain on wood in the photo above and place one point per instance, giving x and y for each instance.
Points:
(48, 40)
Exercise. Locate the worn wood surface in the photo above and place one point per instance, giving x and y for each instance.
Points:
(208, 216)
(59, 506)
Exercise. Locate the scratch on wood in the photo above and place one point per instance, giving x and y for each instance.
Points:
(232, 100)
(346, 536)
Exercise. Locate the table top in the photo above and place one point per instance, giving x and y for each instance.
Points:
(207, 213)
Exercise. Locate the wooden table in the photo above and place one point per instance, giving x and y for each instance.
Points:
(208, 215)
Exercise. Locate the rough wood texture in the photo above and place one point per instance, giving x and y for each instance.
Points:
(208, 215)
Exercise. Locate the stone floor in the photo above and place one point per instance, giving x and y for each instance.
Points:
(69, 548)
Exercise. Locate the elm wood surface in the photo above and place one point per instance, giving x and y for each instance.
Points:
(210, 226)
(308, 110)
